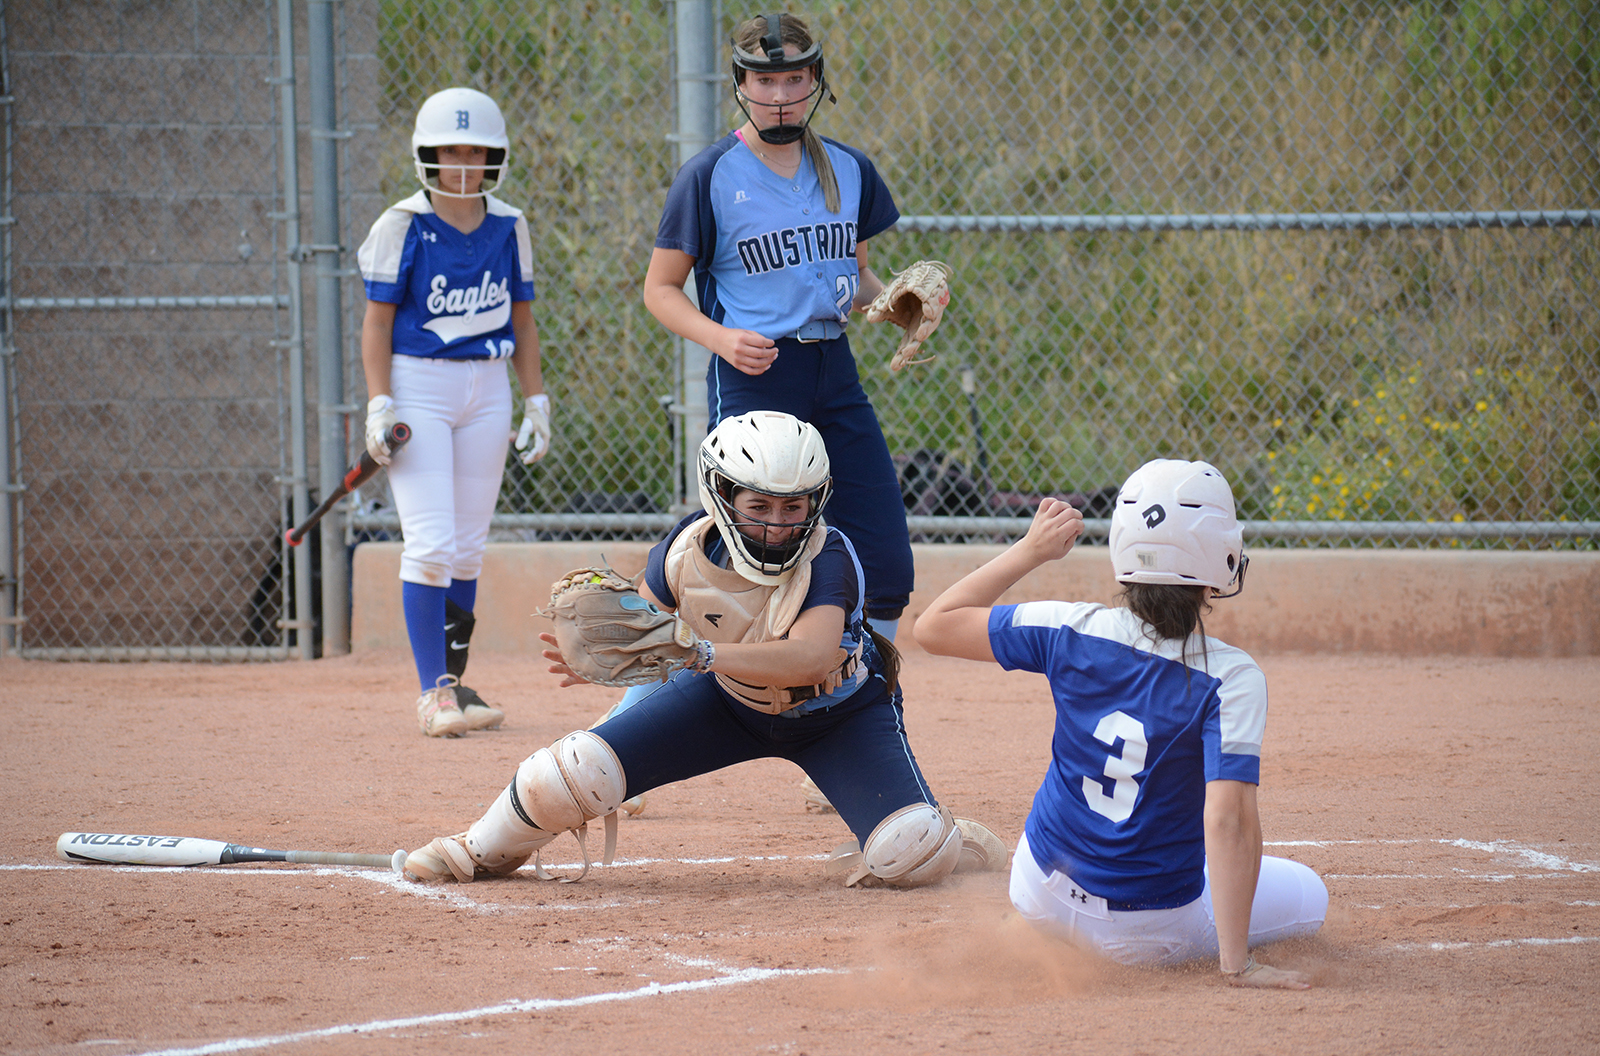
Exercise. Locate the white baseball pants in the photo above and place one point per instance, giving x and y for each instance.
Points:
(447, 478)
(1291, 901)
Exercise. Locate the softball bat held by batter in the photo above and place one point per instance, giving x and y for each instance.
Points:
(112, 848)
(354, 477)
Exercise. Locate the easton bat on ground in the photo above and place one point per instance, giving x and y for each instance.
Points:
(112, 848)
(354, 477)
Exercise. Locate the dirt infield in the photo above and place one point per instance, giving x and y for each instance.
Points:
(1451, 805)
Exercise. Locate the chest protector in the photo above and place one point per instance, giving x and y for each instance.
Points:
(723, 607)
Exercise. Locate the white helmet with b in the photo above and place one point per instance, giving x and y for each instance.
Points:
(1175, 523)
(775, 454)
(459, 117)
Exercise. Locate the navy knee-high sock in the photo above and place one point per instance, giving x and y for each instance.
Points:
(424, 607)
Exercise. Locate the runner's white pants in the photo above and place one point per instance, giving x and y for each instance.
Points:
(1291, 901)
(447, 478)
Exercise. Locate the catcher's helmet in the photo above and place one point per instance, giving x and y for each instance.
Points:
(768, 56)
(1174, 523)
(456, 117)
(775, 454)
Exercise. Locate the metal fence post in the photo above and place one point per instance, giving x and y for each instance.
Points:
(302, 623)
(697, 83)
(331, 422)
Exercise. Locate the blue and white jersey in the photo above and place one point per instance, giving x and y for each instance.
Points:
(1138, 734)
(836, 579)
(454, 291)
(768, 255)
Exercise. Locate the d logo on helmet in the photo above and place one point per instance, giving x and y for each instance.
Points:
(1154, 515)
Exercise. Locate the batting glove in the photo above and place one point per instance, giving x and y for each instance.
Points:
(380, 416)
(535, 428)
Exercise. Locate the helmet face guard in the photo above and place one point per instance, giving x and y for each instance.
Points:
(758, 540)
(773, 59)
(772, 454)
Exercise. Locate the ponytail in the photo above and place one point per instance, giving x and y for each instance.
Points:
(823, 166)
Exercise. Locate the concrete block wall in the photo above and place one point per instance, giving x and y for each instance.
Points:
(1395, 602)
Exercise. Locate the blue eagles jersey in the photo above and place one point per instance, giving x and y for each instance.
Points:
(836, 579)
(769, 257)
(454, 292)
(1138, 734)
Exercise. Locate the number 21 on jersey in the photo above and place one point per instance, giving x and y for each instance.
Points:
(1120, 767)
(844, 291)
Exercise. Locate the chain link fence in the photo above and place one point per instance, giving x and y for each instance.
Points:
(1341, 249)
(1345, 250)
(141, 311)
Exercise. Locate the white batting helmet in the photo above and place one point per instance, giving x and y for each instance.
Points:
(775, 454)
(1174, 523)
(456, 117)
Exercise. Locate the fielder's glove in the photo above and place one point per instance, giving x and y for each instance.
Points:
(380, 417)
(610, 635)
(915, 302)
(535, 427)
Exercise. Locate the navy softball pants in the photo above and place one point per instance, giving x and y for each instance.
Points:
(856, 751)
(817, 383)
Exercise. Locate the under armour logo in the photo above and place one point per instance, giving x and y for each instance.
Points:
(429, 236)
(1079, 895)
(463, 119)
(1153, 516)
(713, 617)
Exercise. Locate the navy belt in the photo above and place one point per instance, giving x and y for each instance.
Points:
(818, 330)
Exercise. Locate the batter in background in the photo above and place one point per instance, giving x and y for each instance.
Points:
(773, 221)
(449, 281)
(1144, 841)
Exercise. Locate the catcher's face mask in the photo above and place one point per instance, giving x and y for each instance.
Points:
(772, 528)
(773, 57)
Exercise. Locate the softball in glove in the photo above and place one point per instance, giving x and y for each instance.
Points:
(610, 635)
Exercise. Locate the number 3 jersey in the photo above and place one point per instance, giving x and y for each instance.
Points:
(768, 255)
(454, 291)
(1140, 728)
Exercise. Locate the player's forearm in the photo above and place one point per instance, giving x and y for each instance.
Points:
(1233, 859)
(982, 587)
(788, 662)
(527, 359)
(377, 347)
(867, 291)
(674, 310)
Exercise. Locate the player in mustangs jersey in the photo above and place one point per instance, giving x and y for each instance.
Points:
(773, 222)
(1144, 841)
(449, 278)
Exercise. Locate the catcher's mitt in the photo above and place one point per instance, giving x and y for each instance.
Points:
(915, 302)
(611, 636)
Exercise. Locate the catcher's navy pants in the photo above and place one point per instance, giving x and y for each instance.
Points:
(856, 751)
(817, 382)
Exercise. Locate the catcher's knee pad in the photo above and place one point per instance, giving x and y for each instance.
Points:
(573, 781)
(915, 845)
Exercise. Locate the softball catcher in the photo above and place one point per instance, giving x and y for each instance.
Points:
(449, 281)
(773, 222)
(1144, 841)
(751, 609)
